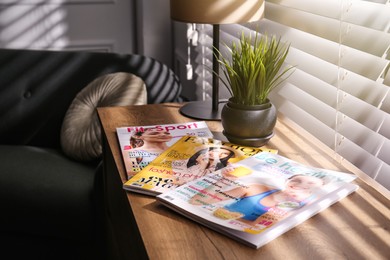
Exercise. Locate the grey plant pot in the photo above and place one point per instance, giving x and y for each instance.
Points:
(248, 125)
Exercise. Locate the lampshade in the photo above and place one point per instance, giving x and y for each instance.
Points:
(217, 11)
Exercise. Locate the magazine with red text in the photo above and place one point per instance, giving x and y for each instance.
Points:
(189, 158)
(142, 144)
(264, 196)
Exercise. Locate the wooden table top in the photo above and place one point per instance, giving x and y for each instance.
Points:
(356, 227)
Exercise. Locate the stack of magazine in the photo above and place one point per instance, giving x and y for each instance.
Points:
(250, 194)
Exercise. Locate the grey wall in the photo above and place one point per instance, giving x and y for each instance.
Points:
(96, 25)
(154, 29)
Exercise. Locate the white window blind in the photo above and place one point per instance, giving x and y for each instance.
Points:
(339, 91)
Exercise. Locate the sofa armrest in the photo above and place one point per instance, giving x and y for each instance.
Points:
(37, 87)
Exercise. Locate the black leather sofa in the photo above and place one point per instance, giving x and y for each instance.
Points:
(51, 205)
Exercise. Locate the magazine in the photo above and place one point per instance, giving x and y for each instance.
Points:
(142, 144)
(189, 158)
(264, 196)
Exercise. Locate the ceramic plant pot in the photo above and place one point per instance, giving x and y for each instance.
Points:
(248, 125)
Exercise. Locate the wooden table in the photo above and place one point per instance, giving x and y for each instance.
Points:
(357, 227)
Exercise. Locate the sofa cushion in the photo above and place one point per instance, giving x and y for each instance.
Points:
(43, 192)
(80, 132)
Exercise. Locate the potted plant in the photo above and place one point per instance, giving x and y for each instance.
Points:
(252, 72)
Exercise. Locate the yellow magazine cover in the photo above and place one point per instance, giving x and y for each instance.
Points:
(191, 157)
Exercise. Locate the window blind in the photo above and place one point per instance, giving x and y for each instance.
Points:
(339, 91)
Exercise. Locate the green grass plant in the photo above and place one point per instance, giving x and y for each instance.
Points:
(254, 69)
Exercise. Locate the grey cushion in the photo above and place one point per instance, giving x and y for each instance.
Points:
(80, 132)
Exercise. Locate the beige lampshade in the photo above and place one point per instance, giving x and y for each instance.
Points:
(217, 11)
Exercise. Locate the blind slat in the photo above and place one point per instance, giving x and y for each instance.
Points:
(385, 128)
(355, 154)
(360, 135)
(314, 87)
(370, 91)
(355, 131)
(355, 12)
(383, 176)
(329, 28)
(369, 116)
(384, 152)
(321, 131)
(303, 100)
(357, 61)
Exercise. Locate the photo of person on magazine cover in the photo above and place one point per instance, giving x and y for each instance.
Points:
(260, 205)
(204, 161)
(146, 146)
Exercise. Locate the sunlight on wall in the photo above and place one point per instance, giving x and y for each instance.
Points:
(33, 26)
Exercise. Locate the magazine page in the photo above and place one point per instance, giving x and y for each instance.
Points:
(262, 197)
(142, 144)
(191, 157)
